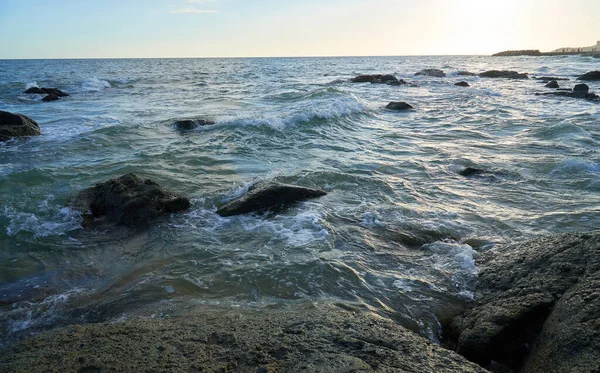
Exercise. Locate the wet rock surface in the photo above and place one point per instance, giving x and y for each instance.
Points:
(321, 338)
(436, 73)
(268, 197)
(46, 91)
(462, 84)
(552, 84)
(378, 79)
(537, 306)
(505, 74)
(128, 200)
(190, 124)
(592, 75)
(51, 97)
(398, 106)
(471, 171)
(16, 125)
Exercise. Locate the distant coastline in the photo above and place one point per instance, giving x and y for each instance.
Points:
(593, 50)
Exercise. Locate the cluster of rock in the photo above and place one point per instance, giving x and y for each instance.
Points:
(578, 91)
(436, 73)
(53, 94)
(506, 74)
(378, 79)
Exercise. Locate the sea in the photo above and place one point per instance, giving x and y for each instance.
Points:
(399, 233)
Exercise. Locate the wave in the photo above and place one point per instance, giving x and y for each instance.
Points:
(459, 261)
(94, 85)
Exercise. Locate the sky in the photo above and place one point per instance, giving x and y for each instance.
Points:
(268, 28)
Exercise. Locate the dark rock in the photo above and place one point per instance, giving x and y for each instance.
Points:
(16, 125)
(432, 72)
(47, 91)
(190, 124)
(378, 79)
(266, 197)
(462, 84)
(526, 52)
(51, 97)
(549, 78)
(503, 74)
(128, 200)
(398, 106)
(329, 339)
(592, 75)
(470, 171)
(552, 84)
(465, 73)
(537, 306)
(581, 88)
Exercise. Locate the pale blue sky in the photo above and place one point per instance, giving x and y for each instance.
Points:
(230, 28)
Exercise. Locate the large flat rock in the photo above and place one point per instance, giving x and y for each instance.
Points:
(320, 338)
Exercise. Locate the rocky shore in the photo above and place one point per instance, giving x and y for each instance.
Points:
(536, 309)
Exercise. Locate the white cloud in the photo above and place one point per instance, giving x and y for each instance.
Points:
(191, 11)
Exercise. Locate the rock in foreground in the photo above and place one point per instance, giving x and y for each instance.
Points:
(190, 124)
(537, 306)
(398, 106)
(378, 79)
(436, 73)
(269, 196)
(128, 200)
(321, 338)
(503, 74)
(16, 125)
(592, 75)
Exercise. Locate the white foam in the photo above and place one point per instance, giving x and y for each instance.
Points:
(372, 219)
(32, 85)
(50, 219)
(570, 167)
(94, 85)
(457, 260)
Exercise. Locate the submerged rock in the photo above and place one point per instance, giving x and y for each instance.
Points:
(470, 171)
(190, 124)
(536, 306)
(462, 84)
(51, 97)
(503, 74)
(579, 91)
(47, 91)
(378, 79)
(552, 84)
(465, 73)
(128, 200)
(269, 196)
(592, 75)
(436, 73)
(398, 106)
(16, 125)
(309, 338)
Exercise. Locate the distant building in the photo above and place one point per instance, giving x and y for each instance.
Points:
(593, 48)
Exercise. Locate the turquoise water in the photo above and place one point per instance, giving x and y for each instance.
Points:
(397, 234)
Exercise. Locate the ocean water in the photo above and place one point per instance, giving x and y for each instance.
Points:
(398, 233)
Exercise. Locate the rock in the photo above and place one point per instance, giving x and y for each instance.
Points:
(581, 88)
(51, 97)
(270, 196)
(592, 75)
(552, 84)
(308, 338)
(503, 74)
(190, 124)
(398, 106)
(47, 91)
(465, 73)
(128, 200)
(378, 79)
(536, 306)
(470, 171)
(16, 125)
(462, 84)
(432, 72)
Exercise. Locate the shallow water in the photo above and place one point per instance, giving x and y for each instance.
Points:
(397, 234)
